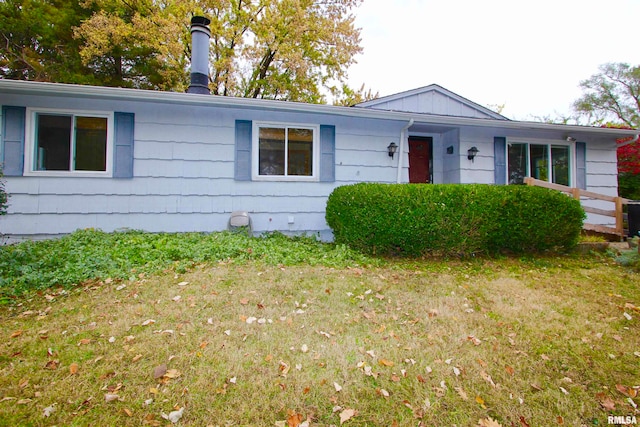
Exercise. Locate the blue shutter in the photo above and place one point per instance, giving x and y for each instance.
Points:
(500, 160)
(123, 145)
(243, 150)
(12, 146)
(581, 165)
(327, 153)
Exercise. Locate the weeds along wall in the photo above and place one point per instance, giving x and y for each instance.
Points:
(452, 219)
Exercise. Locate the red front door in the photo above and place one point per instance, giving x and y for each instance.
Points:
(419, 155)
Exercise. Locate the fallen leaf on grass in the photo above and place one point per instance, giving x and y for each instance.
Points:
(110, 397)
(487, 378)
(347, 414)
(560, 420)
(385, 362)
(129, 412)
(294, 419)
(488, 422)
(605, 401)
(337, 386)
(509, 370)
(627, 391)
(49, 410)
(174, 416)
(148, 322)
(524, 422)
(16, 334)
(474, 340)
(461, 393)
(480, 401)
(172, 373)
(73, 368)
(284, 369)
(159, 371)
(52, 364)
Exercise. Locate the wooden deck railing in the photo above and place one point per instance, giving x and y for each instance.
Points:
(581, 195)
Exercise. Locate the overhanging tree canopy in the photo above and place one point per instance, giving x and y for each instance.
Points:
(295, 50)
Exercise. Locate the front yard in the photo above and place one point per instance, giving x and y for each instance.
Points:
(481, 342)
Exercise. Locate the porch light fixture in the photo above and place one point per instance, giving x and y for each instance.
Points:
(471, 153)
(392, 148)
(571, 139)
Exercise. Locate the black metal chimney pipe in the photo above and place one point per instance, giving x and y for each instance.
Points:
(200, 35)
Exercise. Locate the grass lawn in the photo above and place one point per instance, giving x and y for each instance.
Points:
(323, 338)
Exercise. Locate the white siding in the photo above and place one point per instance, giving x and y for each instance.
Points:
(183, 175)
(432, 102)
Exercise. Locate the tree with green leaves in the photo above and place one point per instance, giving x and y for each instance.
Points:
(612, 95)
(292, 50)
(38, 43)
(296, 50)
(612, 98)
(137, 43)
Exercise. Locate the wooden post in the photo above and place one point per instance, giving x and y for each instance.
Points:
(576, 193)
(619, 220)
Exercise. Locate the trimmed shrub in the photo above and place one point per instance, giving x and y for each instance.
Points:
(452, 219)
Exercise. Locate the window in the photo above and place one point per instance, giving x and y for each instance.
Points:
(66, 142)
(546, 162)
(285, 152)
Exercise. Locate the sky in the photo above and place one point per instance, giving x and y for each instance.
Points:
(529, 56)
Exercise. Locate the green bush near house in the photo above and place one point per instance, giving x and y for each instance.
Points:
(453, 219)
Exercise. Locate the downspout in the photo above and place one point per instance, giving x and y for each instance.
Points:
(403, 137)
(631, 141)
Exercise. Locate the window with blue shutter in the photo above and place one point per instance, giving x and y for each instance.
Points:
(66, 143)
(268, 151)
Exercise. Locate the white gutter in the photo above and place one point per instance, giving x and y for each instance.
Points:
(403, 137)
(136, 95)
(631, 141)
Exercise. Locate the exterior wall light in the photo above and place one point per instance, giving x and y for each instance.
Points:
(392, 148)
(471, 153)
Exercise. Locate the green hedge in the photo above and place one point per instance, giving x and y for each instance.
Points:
(452, 219)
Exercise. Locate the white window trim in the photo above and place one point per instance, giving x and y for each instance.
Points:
(30, 142)
(548, 142)
(255, 152)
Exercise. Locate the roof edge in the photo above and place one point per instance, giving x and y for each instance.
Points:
(137, 95)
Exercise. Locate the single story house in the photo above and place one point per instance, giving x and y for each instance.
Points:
(112, 158)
